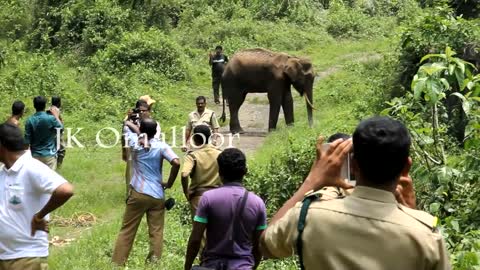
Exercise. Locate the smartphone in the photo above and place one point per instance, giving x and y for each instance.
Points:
(345, 172)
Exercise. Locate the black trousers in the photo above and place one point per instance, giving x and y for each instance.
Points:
(216, 87)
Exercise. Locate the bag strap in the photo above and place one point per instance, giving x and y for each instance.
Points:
(235, 221)
(301, 225)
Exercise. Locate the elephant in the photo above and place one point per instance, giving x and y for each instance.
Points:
(263, 71)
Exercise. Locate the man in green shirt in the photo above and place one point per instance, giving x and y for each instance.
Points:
(41, 133)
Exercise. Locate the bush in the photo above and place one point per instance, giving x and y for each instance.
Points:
(347, 22)
(15, 19)
(151, 49)
(431, 33)
(30, 75)
(86, 25)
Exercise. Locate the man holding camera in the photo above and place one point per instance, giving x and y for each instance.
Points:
(218, 61)
(41, 132)
(146, 193)
(141, 111)
(368, 229)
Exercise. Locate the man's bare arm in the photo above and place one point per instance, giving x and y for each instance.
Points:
(59, 197)
(194, 243)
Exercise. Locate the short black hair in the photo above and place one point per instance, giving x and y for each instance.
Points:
(337, 136)
(57, 101)
(201, 134)
(201, 98)
(149, 127)
(18, 107)
(141, 103)
(381, 147)
(11, 137)
(219, 47)
(232, 165)
(39, 102)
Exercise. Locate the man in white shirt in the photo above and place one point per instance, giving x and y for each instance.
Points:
(29, 191)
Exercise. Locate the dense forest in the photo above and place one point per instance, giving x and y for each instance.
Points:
(415, 60)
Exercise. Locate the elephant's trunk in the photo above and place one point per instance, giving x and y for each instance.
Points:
(309, 103)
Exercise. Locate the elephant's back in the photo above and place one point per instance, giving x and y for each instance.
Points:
(256, 55)
(255, 61)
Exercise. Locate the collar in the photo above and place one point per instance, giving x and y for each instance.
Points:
(18, 163)
(200, 114)
(374, 194)
(233, 184)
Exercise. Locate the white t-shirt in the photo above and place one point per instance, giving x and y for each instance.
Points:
(25, 188)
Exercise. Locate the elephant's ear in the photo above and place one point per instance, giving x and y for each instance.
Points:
(293, 69)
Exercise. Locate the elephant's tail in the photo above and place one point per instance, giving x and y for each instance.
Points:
(223, 118)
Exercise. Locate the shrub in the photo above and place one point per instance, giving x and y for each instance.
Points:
(151, 49)
(15, 19)
(347, 22)
(431, 33)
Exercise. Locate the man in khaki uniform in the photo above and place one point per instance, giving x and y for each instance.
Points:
(202, 167)
(201, 116)
(367, 229)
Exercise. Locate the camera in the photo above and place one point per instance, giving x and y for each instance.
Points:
(135, 115)
(345, 172)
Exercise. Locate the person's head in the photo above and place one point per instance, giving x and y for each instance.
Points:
(150, 101)
(57, 101)
(232, 165)
(144, 109)
(11, 140)
(201, 134)
(148, 126)
(18, 108)
(218, 50)
(39, 103)
(201, 103)
(381, 148)
(337, 136)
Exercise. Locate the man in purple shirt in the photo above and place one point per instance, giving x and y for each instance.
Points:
(233, 218)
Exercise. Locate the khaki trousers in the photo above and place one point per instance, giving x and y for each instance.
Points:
(128, 176)
(35, 263)
(51, 161)
(137, 205)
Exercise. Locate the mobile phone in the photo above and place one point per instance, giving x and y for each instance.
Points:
(345, 172)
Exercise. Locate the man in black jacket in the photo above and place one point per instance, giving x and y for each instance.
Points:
(218, 62)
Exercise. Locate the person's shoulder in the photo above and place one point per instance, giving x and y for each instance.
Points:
(421, 218)
(209, 111)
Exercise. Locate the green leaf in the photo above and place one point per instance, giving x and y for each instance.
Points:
(428, 56)
(455, 225)
(434, 207)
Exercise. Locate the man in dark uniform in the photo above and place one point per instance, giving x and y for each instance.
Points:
(218, 62)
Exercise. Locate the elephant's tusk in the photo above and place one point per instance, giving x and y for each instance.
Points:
(309, 103)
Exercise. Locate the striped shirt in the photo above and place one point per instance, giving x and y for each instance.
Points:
(147, 165)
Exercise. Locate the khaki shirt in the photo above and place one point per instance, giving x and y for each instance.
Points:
(366, 230)
(208, 118)
(205, 173)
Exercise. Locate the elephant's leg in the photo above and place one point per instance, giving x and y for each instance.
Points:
(235, 101)
(275, 103)
(287, 106)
